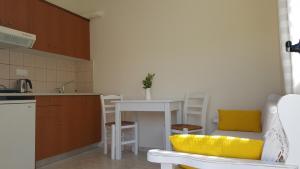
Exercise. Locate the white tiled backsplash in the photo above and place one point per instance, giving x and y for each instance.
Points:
(46, 72)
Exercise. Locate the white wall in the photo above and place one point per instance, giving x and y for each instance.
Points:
(229, 49)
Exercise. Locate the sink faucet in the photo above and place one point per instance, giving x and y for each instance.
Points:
(62, 88)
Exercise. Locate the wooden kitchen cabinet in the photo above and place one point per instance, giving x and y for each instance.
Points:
(57, 30)
(45, 24)
(76, 36)
(49, 125)
(15, 14)
(66, 123)
(82, 40)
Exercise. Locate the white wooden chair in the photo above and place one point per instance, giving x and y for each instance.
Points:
(288, 110)
(194, 111)
(108, 110)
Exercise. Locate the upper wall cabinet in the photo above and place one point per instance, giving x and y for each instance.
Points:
(57, 30)
(45, 24)
(15, 14)
(75, 36)
(60, 31)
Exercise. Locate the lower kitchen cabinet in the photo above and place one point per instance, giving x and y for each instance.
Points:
(65, 123)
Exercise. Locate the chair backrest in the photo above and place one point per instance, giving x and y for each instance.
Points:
(195, 109)
(108, 107)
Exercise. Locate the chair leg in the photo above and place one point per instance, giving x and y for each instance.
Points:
(136, 144)
(122, 139)
(105, 141)
(113, 142)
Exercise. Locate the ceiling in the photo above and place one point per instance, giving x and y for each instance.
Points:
(80, 7)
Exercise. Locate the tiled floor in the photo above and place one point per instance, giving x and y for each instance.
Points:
(95, 159)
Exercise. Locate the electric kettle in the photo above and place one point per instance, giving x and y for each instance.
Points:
(24, 85)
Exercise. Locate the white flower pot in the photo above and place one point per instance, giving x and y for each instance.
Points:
(148, 93)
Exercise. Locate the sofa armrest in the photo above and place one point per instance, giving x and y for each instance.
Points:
(168, 159)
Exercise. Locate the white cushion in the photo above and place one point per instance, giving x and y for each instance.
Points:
(251, 135)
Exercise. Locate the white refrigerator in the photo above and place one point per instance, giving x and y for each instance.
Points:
(17, 134)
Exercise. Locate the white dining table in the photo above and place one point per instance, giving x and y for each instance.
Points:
(164, 106)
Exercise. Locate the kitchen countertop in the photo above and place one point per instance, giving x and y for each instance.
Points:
(48, 94)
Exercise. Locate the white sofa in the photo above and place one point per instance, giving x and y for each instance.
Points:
(270, 108)
(288, 108)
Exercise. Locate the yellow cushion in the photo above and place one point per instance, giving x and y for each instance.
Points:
(240, 120)
(221, 146)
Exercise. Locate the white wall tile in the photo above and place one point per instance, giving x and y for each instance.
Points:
(51, 63)
(12, 83)
(40, 62)
(71, 66)
(16, 58)
(89, 77)
(4, 71)
(31, 72)
(4, 56)
(84, 77)
(51, 75)
(46, 72)
(70, 88)
(84, 65)
(4, 82)
(70, 76)
(62, 65)
(39, 87)
(84, 87)
(61, 76)
(12, 72)
(40, 74)
(29, 60)
(51, 87)
(66, 65)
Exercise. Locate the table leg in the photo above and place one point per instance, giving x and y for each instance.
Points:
(118, 131)
(167, 126)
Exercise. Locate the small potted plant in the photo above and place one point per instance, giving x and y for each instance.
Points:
(148, 84)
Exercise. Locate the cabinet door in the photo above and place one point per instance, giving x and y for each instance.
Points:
(45, 23)
(72, 119)
(15, 14)
(48, 132)
(82, 39)
(82, 121)
(65, 123)
(75, 36)
(68, 34)
(92, 119)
